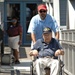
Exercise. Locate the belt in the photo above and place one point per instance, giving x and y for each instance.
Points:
(45, 57)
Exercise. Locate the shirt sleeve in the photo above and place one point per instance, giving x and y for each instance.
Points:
(55, 26)
(38, 45)
(58, 45)
(32, 25)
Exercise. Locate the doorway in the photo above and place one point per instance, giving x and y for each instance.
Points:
(24, 12)
(31, 10)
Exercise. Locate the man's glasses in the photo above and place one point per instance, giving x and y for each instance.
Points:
(42, 11)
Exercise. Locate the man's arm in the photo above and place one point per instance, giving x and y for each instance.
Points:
(33, 53)
(57, 35)
(20, 37)
(20, 30)
(36, 48)
(59, 52)
(33, 37)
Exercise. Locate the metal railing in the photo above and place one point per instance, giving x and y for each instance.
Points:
(68, 44)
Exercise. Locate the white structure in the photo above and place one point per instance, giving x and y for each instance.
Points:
(68, 35)
(71, 14)
(68, 39)
(64, 13)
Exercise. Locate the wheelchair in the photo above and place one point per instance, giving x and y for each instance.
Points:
(61, 65)
(47, 69)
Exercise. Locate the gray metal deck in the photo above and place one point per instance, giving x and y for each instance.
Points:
(24, 68)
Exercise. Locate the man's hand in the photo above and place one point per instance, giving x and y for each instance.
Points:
(62, 52)
(59, 52)
(33, 53)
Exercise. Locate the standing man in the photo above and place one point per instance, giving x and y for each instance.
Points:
(39, 22)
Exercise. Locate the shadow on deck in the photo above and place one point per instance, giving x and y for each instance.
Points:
(19, 69)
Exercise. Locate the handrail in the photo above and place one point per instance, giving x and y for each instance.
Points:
(68, 43)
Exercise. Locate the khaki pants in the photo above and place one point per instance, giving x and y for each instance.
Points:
(41, 63)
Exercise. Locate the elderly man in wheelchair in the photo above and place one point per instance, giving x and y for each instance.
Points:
(46, 50)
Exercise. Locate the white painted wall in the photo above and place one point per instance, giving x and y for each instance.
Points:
(71, 15)
(1, 15)
(50, 9)
(56, 11)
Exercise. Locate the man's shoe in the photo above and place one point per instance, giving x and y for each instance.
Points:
(17, 62)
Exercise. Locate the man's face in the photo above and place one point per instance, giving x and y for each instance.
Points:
(42, 14)
(47, 37)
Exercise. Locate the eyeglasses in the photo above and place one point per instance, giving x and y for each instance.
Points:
(42, 11)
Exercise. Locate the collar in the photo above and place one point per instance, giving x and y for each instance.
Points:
(42, 20)
(44, 42)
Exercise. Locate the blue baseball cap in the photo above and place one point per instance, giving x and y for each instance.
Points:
(46, 30)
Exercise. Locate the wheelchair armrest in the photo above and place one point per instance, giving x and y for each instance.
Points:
(34, 58)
